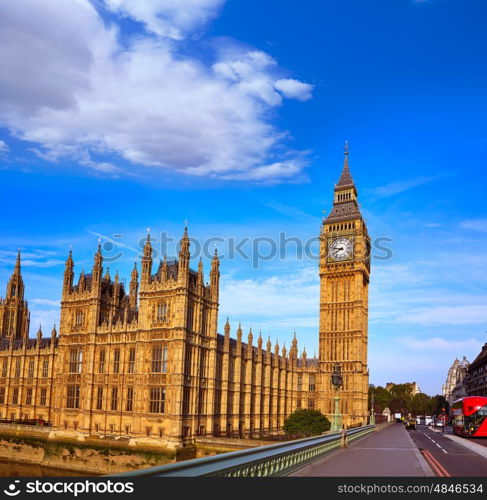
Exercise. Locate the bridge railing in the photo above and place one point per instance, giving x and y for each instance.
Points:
(264, 461)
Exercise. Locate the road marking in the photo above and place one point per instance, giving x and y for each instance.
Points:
(444, 451)
(432, 440)
(437, 467)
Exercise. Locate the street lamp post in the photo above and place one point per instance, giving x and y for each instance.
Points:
(372, 412)
(336, 382)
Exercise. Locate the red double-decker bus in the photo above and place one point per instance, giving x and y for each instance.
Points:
(470, 416)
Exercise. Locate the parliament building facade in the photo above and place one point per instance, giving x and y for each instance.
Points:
(148, 363)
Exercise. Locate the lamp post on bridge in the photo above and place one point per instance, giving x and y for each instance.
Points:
(372, 414)
(336, 382)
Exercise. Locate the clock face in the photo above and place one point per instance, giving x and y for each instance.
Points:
(340, 248)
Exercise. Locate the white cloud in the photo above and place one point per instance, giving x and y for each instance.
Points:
(398, 187)
(294, 89)
(168, 18)
(293, 212)
(3, 147)
(70, 86)
(45, 302)
(287, 301)
(475, 224)
(44, 317)
(438, 343)
(35, 258)
(447, 315)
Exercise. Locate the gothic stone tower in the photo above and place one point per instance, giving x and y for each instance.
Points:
(14, 311)
(140, 363)
(344, 281)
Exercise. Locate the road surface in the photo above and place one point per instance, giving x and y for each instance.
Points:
(455, 458)
(388, 452)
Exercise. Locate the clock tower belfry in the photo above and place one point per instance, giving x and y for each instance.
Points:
(344, 283)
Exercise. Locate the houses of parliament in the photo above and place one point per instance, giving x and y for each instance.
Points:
(148, 363)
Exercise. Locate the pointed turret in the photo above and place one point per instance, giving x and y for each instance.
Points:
(82, 281)
(345, 180)
(345, 206)
(17, 270)
(15, 286)
(268, 353)
(39, 334)
(134, 286)
(97, 266)
(293, 352)
(215, 277)
(184, 244)
(164, 269)
(226, 339)
(17, 318)
(68, 273)
(17, 262)
(147, 260)
(259, 341)
(116, 288)
(184, 258)
(53, 332)
(159, 271)
(107, 275)
(250, 338)
(201, 277)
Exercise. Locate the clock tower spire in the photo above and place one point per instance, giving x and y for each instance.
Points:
(344, 280)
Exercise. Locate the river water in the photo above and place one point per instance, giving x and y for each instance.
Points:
(13, 469)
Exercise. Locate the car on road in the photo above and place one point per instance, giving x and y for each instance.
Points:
(410, 423)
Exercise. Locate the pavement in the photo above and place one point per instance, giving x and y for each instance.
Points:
(387, 452)
(460, 457)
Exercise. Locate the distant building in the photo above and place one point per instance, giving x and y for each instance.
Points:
(454, 387)
(414, 387)
(387, 414)
(475, 381)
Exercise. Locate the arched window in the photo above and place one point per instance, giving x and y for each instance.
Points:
(161, 312)
(75, 360)
(159, 359)
(79, 319)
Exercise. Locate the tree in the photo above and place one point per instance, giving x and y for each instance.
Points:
(421, 404)
(382, 398)
(438, 403)
(401, 398)
(305, 423)
(397, 405)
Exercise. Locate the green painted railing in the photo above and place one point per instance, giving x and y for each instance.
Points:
(264, 461)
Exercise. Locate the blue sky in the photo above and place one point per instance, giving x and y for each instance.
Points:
(116, 116)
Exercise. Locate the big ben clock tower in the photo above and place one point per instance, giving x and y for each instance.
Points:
(344, 284)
